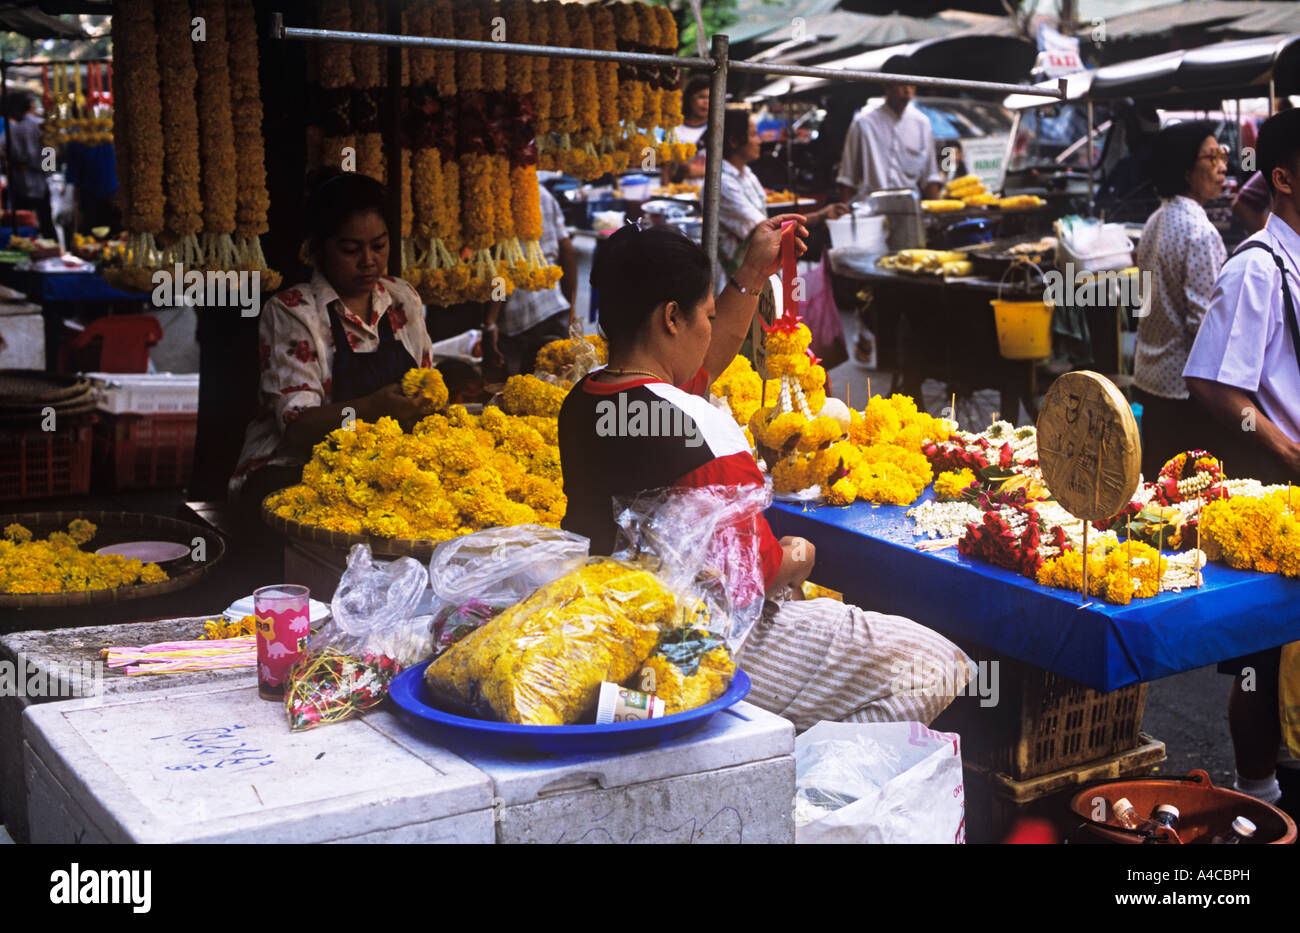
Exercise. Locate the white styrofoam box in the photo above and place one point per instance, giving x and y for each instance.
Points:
(219, 764)
(22, 341)
(146, 393)
(66, 663)
(730, 781)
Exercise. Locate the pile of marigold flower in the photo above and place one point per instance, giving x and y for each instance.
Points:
(452, 475)
(58, 565)
(572, 358)
(1253, 533)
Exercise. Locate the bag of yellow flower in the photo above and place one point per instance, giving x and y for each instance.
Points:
(373, 633)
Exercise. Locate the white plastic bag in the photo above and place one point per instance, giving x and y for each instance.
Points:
(890, 782)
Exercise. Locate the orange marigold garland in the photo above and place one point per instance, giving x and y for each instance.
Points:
(539, 33)
(367, 78)
(519, 68)
(336, 79)
(494, 66)
(251, 198)
(652, 38)
(140, 153)
(469, 65)
(612, 159)
(584, 161)
(183, 215)
(443, 24)
(217, 137)
(561, 77)
(672, 149)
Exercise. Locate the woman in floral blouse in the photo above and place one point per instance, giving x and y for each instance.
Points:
(336, 347)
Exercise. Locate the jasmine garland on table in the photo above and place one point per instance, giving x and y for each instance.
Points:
(669, 339)
(334, 346)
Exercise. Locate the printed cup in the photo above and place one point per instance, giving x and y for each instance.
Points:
(619, 704)
(283, 624)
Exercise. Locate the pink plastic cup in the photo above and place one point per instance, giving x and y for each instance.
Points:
(283, 624)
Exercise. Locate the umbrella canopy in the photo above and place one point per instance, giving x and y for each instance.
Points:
(838, 32)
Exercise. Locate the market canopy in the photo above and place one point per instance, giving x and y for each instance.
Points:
(964, 57)
(1210, 73)
(27, 21)
(840, 30)
(1157, 20)
(1281, 18)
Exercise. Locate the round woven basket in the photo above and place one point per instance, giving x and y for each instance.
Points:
(114, 528)
(419, 548)
(33, 386)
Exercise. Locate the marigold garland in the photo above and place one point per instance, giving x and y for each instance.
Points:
(631, 90)
(519, 68)
(494, 66)
(539, 33)
(650, 28)
(443, 24)
(217, 139)
(469, 65)
(183, 216)
(584, 161)
(368, 79)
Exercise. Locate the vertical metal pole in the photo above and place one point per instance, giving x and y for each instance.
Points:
(1272, 92)
(393, 143)
(713, 150)
(1091, 161)
(9, 139)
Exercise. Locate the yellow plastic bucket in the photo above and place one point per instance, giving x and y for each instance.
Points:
(1024, 329)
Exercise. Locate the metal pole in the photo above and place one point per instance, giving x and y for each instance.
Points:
(393, 145)
(280, 31)
(713, 148)
(9, 140)
(1272, 90)
(1091, 204)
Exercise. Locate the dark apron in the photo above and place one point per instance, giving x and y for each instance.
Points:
(358, 374)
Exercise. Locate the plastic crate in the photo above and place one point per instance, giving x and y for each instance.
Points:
(146, 393)
(36, 463)
(994, 800)
(148, 451)
(1043, 722)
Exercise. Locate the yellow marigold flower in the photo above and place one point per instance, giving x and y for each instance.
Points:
(950, 484)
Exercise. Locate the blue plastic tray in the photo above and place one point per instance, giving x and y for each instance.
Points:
(408, 692)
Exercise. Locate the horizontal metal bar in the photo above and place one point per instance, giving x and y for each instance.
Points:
(845, 74)
(495, 48)
(280, 31)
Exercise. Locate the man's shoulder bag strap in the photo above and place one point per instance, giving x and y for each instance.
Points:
(1287, 303)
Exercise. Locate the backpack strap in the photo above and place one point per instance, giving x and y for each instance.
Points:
(1288, 304)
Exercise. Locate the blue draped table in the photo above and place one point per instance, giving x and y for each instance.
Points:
(867, 553)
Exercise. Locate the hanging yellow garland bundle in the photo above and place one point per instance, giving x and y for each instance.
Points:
(630, 89)
(251, 198)
(336, 74)
(519, 68)
(367, 76)
(584, 161)
(469, 65)
(140, 142)
(539, 33)
(561, 74)
(650, 28)
(217, 139)
(672, 149)
(612, 159)
(443, 24)
(494, 66)
(183, 216)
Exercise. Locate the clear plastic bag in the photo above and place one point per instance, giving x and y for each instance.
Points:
(373, 633)
(541, 662)
(476, 576)
(703, 540)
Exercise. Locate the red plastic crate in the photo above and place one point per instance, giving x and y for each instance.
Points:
(152, 451)
(36, 463)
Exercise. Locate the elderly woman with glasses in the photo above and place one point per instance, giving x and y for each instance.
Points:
(1179, 256)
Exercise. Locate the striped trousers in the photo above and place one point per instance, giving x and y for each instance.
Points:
(820, 659)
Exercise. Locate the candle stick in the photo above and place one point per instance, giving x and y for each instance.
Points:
(1197, 557)
(868, 392)
(954, 411)
(848, 388)
(1084, 583)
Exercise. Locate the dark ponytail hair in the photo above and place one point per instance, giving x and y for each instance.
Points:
(333, 199)
(735, 129)
(637, 270)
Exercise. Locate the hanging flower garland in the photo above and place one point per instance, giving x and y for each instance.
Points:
(539, 33)
(443, 25)
(519, 69)
(584, 161)
(183, 215)
(469, 65)
(336, 81)
(651, 41)
(251, 198)
(367, 88)
(612, 159)
(561, 82)
(672, 149)
(217, 137)
(138, 133)
(494, 66)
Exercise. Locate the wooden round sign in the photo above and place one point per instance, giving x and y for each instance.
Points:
(1088, 446)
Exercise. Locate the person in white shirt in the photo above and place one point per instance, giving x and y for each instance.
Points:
(742, 204)
(526, 321)
(695, 117)
(1181, 252)
(1245, 369)
(888, 147)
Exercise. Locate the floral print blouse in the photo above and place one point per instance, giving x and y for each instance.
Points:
(296, 356)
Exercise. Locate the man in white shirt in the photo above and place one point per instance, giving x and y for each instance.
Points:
(891, 146)
(1244, 369)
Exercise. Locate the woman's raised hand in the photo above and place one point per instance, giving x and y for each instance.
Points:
(763, 257)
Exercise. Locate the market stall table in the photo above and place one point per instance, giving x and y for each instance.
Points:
(868, 553)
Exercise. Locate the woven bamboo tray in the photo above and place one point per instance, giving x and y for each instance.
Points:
(419, 548)
(113, 528)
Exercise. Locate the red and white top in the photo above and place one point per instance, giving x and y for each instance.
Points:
(296, 356)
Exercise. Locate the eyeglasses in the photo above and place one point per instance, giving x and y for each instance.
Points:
(1220, 156)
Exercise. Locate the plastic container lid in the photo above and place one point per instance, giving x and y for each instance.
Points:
(1168, 808)
(1243, 827)
(1122, 804)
